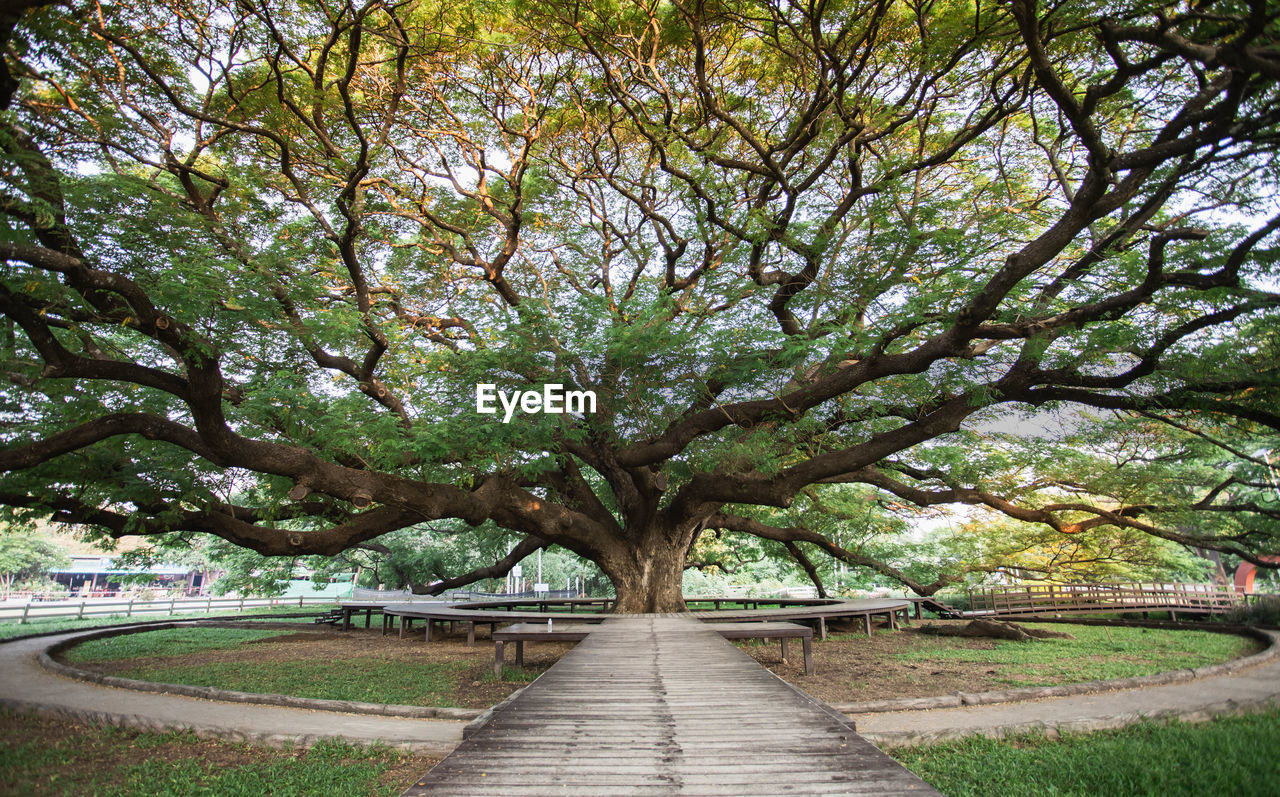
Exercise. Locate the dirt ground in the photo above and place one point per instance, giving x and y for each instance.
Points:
(864, 668)
(851, 669)
(473, 686)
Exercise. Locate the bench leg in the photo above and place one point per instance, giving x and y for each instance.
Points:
(866, 624)
(808, 655)
(497, 660)
(346, 619)
(519, 652)
(428, 636)
(404, 621)
(471, 634)
(822, 628)
(368, 617)
(783, 640)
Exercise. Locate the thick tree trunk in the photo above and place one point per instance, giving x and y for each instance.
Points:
(649, 580)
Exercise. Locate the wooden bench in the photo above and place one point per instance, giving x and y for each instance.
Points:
(533, 632)
(779, 631)
(347, 611)
(576, 632)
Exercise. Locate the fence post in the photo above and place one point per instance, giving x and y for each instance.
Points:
(171, 602)
(80, 615)
(129, 611)
(25, 610)
(208, 607)
(299, 601)
(241, 604)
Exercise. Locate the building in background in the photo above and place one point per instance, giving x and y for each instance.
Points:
(98, 577)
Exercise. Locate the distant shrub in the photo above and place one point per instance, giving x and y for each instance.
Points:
(45, 587)
(1264, 610)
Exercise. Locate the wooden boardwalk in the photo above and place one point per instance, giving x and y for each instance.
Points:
(1030, 599)
(661, 705)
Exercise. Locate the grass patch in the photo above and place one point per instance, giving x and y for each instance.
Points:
(513, 674)
(1233, 755)
(166, 642)
(325, 665)
(366, 679)
(363, 678)
(1098, 652)
(56, 757)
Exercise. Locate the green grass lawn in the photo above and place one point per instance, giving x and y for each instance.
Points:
(368, 679)
(1234, 756)
(166, 642)
(1098, 652)
(55, 757)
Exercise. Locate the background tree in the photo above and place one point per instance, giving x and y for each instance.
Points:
(257, 257)
(26, 555)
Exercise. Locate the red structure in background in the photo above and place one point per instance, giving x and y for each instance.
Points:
(1245, 573)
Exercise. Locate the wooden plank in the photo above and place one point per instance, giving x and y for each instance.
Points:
(663, 705)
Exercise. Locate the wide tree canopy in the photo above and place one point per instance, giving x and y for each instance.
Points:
(259, 256)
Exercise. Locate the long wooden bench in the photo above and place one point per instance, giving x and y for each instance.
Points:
(576, 632)
(483, 613)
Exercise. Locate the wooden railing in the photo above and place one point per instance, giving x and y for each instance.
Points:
(79, 609)
(1063, 598)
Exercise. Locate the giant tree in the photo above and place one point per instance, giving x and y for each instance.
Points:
(259, 256)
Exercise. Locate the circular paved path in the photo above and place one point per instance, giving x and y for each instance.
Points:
(1252, 687)
(26, 685)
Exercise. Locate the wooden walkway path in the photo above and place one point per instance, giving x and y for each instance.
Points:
(661, 705)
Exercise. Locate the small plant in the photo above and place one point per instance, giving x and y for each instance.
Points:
(514, 675)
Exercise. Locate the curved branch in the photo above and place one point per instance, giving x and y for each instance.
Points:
(1122, 517)
(803, 559)
(794, 534)
(270, 541)
(498, 569)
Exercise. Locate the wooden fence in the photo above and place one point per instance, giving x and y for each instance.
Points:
(1068, 598)
(25, 613)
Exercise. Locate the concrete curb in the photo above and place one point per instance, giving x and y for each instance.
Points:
(215, 732)
(955, 699)
(888, 737)
(1053, 730)
(46, 660)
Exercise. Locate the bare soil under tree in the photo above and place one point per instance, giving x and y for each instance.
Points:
(849, 669)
